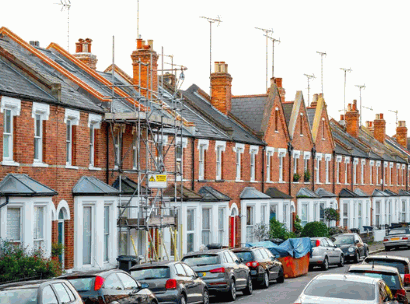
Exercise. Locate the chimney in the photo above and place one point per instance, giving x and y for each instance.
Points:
(380, 128)
(282, 91)
(401, 134)
(370, 126)
(221, 83)
(83, 53)
(314, 102)
(352, 119)
(149, 67)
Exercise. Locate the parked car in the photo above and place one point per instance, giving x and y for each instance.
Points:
(325, 253)
(222, 271)
(263, 265)
(396, 238)
(352, 246)
(39, 292)
(390, 275)
(172, 282)
(110, 286)
(345, 288)
(401, 263)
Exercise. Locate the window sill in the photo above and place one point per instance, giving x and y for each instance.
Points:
(327, 183)
(269, 182)
(71, 167)
(306, 183)
(10, 163)
(92, 168)
(282, 182)
(40, 164)
(239, 181)
(276, 131)
(295, 182)
(202, 180)
(219, 181)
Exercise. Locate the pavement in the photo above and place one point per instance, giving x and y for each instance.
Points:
(288, 292)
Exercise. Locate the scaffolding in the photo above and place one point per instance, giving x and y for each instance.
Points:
(156, 115)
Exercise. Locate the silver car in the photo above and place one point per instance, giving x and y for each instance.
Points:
(345, 288)
(397, 237)
(325, 253)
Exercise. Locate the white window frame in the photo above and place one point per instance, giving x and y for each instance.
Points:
(220, 147)
(107, 234)
(378, 165)
(221, 226)
(42, 112)
(296, 155)
(189, 232)
(345, 213)
(304, 204)
(371, 165)
(253, 151)
(338, 161)
(398, 171)
(92, 220)
(377, 211)
(14, 106)
(238, 149)
(21, 210)
(306, 157)
(355, 162)
(40, 240)
(391, 173)
(403, 170)
(269, 154)
(73, 117)
(347, 161)
(180, 160)
(281, 155)
(318, 159)
(250, 228)
(209, 230)
(9, 134)
(328, 158)
(38, 139)
(94, 123)
(202, 147)
(362, 168)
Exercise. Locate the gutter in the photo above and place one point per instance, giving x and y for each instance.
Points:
(107, 173)
(6, 203)
(383, 181)
(312, 175)
(351, 174)
(263, 168)
(334, 171)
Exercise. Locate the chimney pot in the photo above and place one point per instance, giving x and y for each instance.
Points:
(342, 117)
(151, 43)
(278, 82)
(354, 108)
(402, 123)
(352, 120)
(83, 53)
(139, 43)
(349, 107)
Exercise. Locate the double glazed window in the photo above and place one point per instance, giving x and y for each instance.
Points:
(38, 139)
(377, 213)
(87, 235)
(69, 142)
(345, 214)
(305, 214)
(219, 162)
(38, 233)
(201, 162)
(238, 164)
(92, 145)
(249, 223)
(221, 225)
(8, 135)
(190, 229)
(106, 232)
(206, 226)
(14, 224)
(253, 165)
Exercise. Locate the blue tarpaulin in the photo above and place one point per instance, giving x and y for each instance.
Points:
(297, 247)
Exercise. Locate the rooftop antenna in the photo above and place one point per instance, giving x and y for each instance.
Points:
(273, 52)
(66, 4)
(369, 108)
(360, 89)
(138, 19)
(397, 116)
(309, 77)
(344, 91)
(267, 32)
(322, 54)
(211, 20)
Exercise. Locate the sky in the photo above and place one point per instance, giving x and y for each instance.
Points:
(370, 37)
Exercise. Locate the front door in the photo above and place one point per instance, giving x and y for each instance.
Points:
(61, 241)
(233, 232)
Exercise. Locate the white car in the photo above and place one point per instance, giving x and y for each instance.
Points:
(345, 288)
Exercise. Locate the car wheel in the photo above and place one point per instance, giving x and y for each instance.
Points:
(281, 277)
(325, 265)
(265, 282)
(182, 299)
(366, 252)
(249, 288)
(205, 297)
(357, 257)
(387, 248)
(231, 295)
(342, 261)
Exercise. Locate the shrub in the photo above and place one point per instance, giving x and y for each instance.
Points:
(278, 230)
(297, 226)
(306, 176)
(57, 249)
(315, 229)
(331, 214)
(296, 177)
(17, 263)
(261, 231)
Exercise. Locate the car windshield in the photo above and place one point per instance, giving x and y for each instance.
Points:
(21, 296)
(151, 273)
(83, 284)
(397, 231)
(247, 256)
(399, 265)
(344, 240)
(341, 289)
(201, 260)
(391, 280)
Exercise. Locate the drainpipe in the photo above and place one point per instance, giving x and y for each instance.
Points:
(313, 168)
(334, 172)
(107, 165)
(193, 164)
(6, 203)
(263, 168)
(290, 149)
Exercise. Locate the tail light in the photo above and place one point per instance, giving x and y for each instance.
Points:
(171, 284)
(401, 292)
(317, 243)
(99, 281)
(385, 240)
(218, 270)
(405, 238)
(252, 264)
(407, 279)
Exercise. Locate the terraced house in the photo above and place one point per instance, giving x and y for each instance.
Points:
(73, 152)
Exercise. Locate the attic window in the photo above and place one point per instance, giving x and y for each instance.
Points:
(276, 118)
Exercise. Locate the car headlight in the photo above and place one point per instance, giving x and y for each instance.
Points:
(351, 249)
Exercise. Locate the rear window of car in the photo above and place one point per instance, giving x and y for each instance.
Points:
(83, 284)
(151, 273)
(247, 256)
(341, 289)
(398, 231)
(21, 296)
(399, 265)
(391, 280)
(202, 260)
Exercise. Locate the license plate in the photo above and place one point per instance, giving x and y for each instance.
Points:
(201, 274)
(253, 272)
(395, 239)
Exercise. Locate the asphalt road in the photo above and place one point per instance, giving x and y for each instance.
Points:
(287, 292)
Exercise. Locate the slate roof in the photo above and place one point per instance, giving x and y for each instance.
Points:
(306, 193)
(128, 186)
(361, 193)
(391, 193)
(323, 193)
(347, 193)
(378, 192)
(404, 193)
(23, 185)
(311, 115)
(239, 134)
(287, 111)
(90, 185)
(187, 194)
(275, 193)
(210, 194)
(251, 193)
(249, 109)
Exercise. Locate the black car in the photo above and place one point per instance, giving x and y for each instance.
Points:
(352, 246)
(172, 282)
(110, 286)
(39, 292)
(222, 271)
(263, 265)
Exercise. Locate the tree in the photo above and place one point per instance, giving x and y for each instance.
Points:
(331, 215)
(278, 230)
(261, 231)
(315, 229)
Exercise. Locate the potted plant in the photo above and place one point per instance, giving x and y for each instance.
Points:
(296, 177)
(306, 176)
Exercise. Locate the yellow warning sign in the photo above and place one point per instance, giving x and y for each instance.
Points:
(152, 179)
(161, 178)
(157, 181)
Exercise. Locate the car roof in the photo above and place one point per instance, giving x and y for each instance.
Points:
(388, 257)
(247, 248)
(387, 269)
(211, 251)
(29, 284)
(153, 264)
(347, 277)
(101, 273)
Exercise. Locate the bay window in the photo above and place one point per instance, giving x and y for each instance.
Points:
(38, 233)
(221, 225)
(106, 232)
(250, 224)
(206, 226)
(14, 225)
(305, 214)
(377, 214)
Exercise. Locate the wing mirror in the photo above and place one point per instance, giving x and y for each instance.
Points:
(356, 242)
(241, 260)
(144, 285)
(335, 246)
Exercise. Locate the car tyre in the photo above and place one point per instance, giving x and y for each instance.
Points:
(357, 257)
(249, 288)
(265, 282)
(231, 294)
(342, 261)
(366, 252)
(387, 248)
(325, 265)
(182, 299)
(205, 297)
(281, 277)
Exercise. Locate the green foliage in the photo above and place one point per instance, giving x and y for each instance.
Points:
(315, 229)
(306, 176)
(261, 231)
(335, 230)
(297, 226)
(278, 230)
(296, 177)
(331, 214)
(57, 249)
(17, 263)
